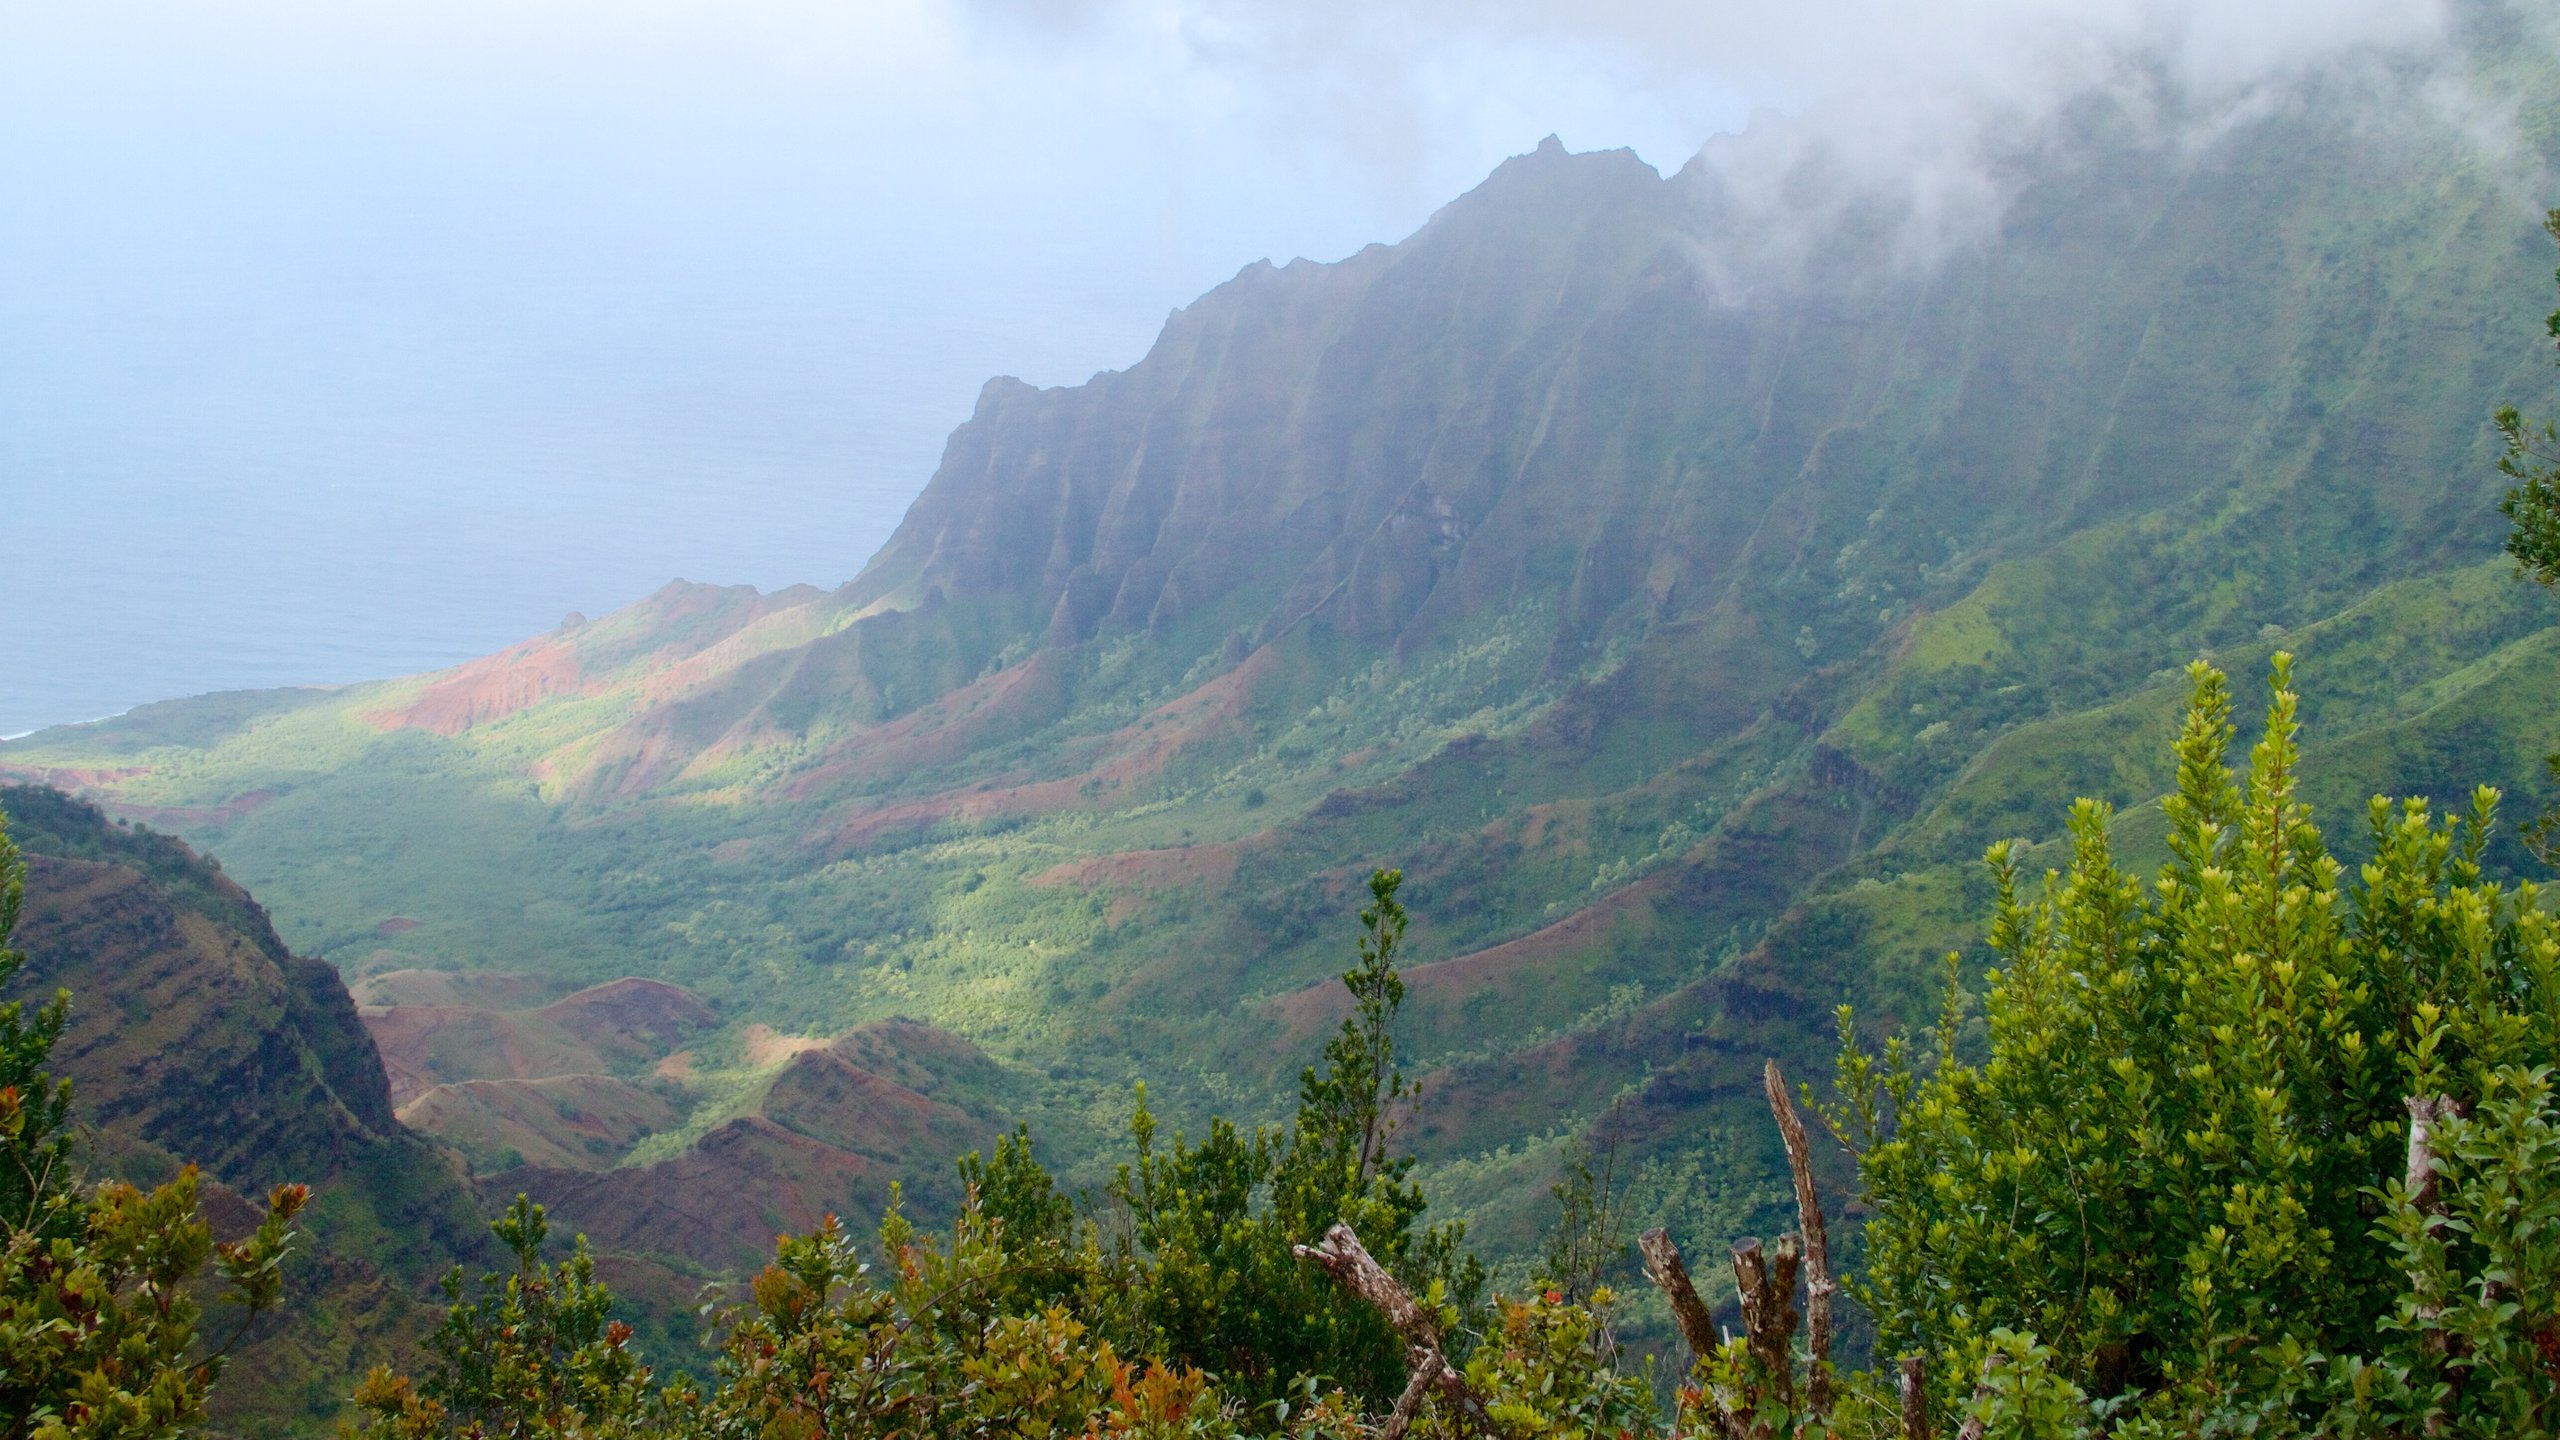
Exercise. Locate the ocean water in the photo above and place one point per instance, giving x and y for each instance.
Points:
(327, 508)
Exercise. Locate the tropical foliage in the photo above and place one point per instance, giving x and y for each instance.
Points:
(2189, 403)
(1215, 1223)
(1026, 1319)
(2532, 460)
(2254, 1147)
(2257, 1147)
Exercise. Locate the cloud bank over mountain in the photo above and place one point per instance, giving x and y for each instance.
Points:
(1912, 112)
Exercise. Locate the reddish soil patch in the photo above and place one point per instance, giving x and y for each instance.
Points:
(676, 640)
(72, 777)
(513, 680)
(1132, 753)
(735, 646)
(1512, 966)
(721, 1203)
(838, 1124)
(1214, 865)
(991, 708)
(396, 925)
(768, 1046)
(1539, 823)
(631, 1016)
(1039, 798)
(474, 989)
(913, 1053)
(424, 1046)
(193, 817)
(825, 1096)
(456, 1035)
(575, 1122)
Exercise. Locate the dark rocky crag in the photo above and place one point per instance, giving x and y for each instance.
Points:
(197, 1037)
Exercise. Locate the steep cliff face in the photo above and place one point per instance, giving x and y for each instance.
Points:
(1320, 438)
(1557, 393)
(197, 1037)
(193, 1027)
(830, 1130)
(1585, 391)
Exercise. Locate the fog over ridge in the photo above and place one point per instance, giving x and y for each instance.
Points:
(1916, 117)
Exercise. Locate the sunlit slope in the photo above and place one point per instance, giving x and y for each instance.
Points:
(1685, 636)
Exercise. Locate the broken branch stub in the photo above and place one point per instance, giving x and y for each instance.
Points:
(1662, 1265)
(2425, 1112)
(1818, 1284)
(1975, 1425)
(1766, 1285)
(1915, 1399)
(1427, 1366)
(1343, 1257)
(2420, 1179)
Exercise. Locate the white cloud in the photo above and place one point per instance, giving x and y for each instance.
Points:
(1908, 108)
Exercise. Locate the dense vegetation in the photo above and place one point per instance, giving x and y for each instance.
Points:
(2252, 1148)
(2532, 507)
(2247, 1150)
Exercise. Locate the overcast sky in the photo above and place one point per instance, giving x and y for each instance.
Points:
(343, 339)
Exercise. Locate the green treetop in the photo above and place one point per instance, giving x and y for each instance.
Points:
(2181, 1182)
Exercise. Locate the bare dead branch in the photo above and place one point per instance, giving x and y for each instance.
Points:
(1427, 1366)
(1972, 1428)
(1818, 1284)
(1662, 1265)
(1349, 1263)
(1343, 1257)
(1915, 1399)
(1767, 1285)
(2425, 1112)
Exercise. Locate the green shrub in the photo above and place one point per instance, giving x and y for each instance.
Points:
(2184, 1162)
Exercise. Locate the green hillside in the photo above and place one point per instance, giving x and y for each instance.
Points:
(1684, 638)
(197, 1038)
